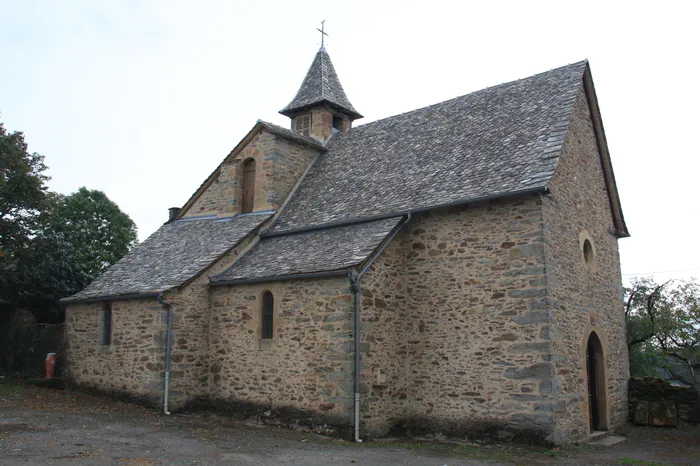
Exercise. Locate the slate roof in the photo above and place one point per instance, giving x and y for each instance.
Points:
(494, 142)
(321, 84)
(315, 251)
(176, 252)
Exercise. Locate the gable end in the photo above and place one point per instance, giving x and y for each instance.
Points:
(621, 230)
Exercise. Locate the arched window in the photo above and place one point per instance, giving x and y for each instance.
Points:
(248, 188)
(268, 305)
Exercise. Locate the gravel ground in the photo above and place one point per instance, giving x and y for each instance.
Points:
(44, 426)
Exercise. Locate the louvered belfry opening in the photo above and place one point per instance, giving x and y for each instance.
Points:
(302, 124)
(248, 197)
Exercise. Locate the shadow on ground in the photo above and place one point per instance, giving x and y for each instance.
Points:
(44, 426)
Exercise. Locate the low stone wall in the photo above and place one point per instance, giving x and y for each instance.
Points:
(655, 402)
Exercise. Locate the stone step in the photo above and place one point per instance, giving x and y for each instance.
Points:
(607, 441)
(598, 434)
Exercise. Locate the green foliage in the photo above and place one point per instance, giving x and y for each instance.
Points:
(23, 197)
(663, 328)
(22, 190)
(51, 245)
(84, 233)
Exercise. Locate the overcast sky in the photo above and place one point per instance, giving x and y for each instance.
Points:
(143, 99)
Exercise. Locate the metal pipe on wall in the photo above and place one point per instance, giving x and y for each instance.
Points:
(168, 350)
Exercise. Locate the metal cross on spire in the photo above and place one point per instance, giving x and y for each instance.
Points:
(322, 31)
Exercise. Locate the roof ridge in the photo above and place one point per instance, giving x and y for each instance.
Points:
(363, 125)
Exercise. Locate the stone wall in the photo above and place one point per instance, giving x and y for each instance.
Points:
(191, 319)
(477, 356)
(305, 369)
(134, 362)
(279, 164)
(384, 378)
(656, 402)
(583, 297)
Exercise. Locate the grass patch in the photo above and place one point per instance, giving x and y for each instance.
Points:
(636, 462)
(496, 452)
(9, 389)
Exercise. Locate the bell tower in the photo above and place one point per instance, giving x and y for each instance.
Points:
(321, 109)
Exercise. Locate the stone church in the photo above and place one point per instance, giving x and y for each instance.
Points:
(451, 269)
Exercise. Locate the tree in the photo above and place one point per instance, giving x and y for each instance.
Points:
(23, 199)
(84, 233)
(663, 328)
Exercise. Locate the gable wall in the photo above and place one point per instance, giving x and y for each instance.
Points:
(279, 165)
(304, 371)
(476, 311)
(583, 300)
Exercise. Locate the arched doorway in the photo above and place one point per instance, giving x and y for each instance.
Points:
(597, 397)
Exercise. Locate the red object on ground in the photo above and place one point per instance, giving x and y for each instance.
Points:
(50, 365)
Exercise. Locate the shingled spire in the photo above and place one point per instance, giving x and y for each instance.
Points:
(321, 106)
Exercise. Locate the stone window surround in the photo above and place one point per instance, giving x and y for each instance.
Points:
(266, 343)
(105, 315)
(246, 190)
(589, 264)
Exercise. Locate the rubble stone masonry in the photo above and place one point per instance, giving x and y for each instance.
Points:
(475, 285)
(583, 297)
(306, 366)
(279, 164)
(133, 364)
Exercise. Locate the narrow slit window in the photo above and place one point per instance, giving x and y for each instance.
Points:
(248, 186)
(268, 305)
(106, 325)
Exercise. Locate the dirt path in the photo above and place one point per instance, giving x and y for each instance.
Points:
(42, 426)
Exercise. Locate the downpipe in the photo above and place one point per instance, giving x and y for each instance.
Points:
(357, 294)
(168, 350)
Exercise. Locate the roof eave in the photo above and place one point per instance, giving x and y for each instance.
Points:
(116, 297)
(293, 110)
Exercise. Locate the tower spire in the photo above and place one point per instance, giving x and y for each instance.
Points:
(321, 86)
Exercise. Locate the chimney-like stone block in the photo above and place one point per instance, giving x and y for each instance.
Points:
(173, 212)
